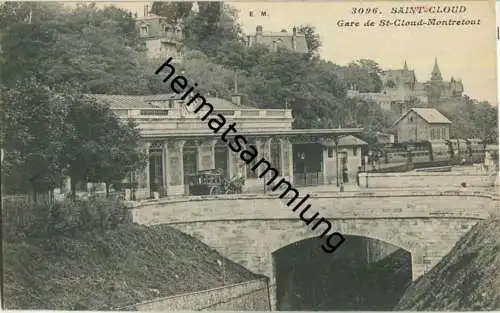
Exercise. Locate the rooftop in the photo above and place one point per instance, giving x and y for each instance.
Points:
(140, 102)
(283, 38)
(431, 116)
(345, 141)
(269, 133)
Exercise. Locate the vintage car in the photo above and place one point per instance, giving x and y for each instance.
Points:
(213, 182)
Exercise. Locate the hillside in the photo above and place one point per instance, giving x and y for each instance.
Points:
(110, 270)
(468, 278)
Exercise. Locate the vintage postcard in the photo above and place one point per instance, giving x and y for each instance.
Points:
(250, 156)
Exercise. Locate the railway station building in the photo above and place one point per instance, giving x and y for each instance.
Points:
(180, 144)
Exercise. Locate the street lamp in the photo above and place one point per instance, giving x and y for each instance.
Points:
(337, 157)
(370, 156)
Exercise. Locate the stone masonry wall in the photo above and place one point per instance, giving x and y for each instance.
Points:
(426, 180)
(247, 296)
(367, 205)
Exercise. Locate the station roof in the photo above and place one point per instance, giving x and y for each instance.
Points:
(289, 133)
(141, 102)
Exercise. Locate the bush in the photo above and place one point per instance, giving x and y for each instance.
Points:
(24, 219)
(20, 218)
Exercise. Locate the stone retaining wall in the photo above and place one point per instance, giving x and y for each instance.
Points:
(248, 296)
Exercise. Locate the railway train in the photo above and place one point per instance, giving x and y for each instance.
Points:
(430, 153)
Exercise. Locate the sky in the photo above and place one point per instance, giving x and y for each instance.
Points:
(498, 46)
(464, 52)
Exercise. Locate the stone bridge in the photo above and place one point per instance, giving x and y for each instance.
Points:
(249, 228)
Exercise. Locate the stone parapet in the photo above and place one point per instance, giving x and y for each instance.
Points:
(425, 180)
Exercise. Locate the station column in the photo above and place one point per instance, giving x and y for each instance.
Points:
(175, 166)
(142, 189)
(286, 160)
(206, 154)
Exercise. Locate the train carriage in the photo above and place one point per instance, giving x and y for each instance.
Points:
(440, 150)
(475, 151)
(433, 152)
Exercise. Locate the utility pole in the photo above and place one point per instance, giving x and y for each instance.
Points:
(30, 16)
(337, 157)
(236, 81)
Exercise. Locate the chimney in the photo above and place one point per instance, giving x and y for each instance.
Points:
(249, 41)
(258, 30)
(236, 97)
(294, 40)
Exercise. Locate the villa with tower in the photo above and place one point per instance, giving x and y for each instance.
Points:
(401, 90)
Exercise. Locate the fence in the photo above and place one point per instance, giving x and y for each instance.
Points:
(46, 197)
(308, 179)
(247, 296)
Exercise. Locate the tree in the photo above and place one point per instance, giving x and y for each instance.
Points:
(363, 75)
(34, 127)
(486, 122)
(174, 12)
(214, 24)
(15, 13)
(471, 118)
(309, 87)
(101, 148)
(312, 38)
(122, 154)
(93, 50)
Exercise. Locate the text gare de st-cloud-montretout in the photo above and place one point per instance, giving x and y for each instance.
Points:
(178, 84)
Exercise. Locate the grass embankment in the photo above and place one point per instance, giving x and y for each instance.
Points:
(111, 268)
(467, 279)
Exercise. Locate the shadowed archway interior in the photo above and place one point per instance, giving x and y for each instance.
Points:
(364, 274)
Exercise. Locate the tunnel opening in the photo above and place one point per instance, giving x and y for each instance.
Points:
(364, 274)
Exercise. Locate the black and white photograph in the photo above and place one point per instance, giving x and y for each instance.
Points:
(249, 156)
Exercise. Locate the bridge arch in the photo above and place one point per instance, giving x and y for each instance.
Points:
(249, 229)
(360, 273)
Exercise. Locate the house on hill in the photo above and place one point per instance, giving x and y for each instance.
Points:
(162, 38)
(292, 41)
(422, 124)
